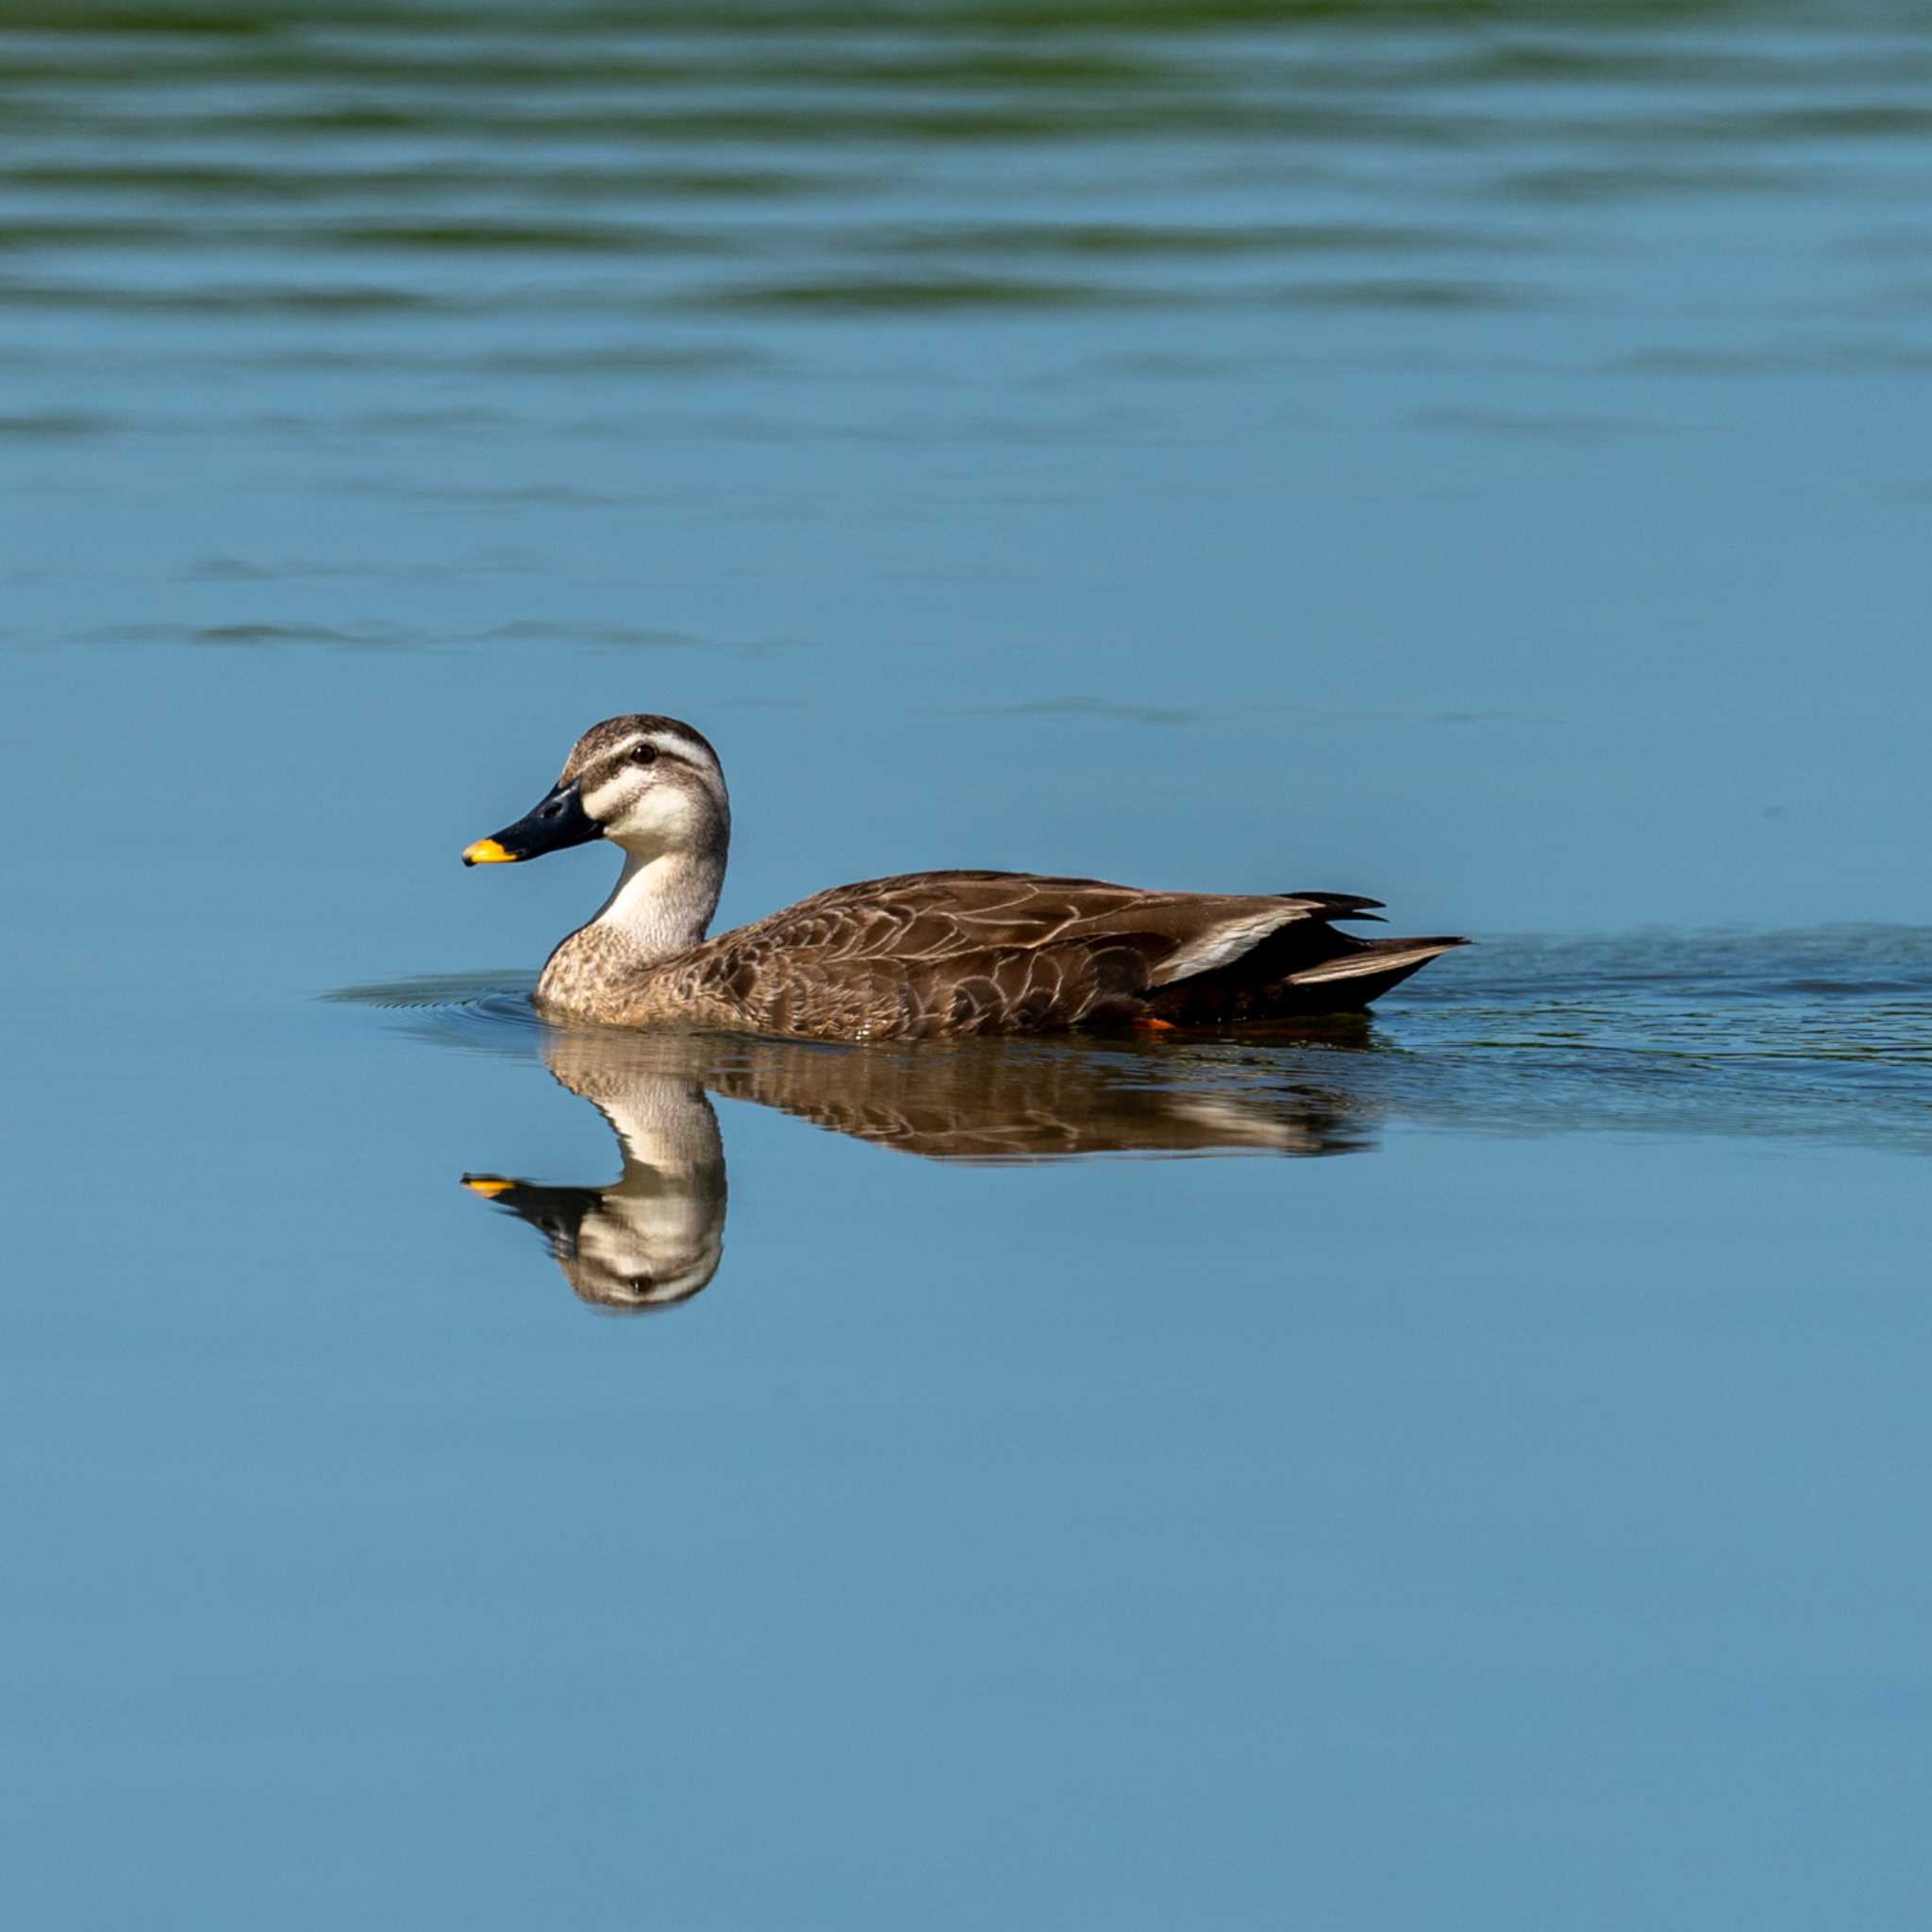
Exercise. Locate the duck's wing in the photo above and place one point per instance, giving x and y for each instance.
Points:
(982, 951)
(944, 915)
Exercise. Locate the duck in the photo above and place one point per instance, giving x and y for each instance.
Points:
(928, 955)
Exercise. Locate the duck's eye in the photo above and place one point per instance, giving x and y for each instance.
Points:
(645, 754)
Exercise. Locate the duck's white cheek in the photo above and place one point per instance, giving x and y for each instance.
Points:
(655, 819)
(604, 805)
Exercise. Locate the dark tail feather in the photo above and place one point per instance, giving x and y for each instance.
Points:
(1341, 904)
(1364, 973)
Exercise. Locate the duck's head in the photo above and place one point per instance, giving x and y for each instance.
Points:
(652, 785)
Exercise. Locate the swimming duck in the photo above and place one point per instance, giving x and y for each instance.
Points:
(925, 954)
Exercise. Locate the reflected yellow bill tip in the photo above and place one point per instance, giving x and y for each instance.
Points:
(488, 1184)
(488, 852)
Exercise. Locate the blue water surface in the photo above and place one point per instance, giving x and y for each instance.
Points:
(1456, 1470)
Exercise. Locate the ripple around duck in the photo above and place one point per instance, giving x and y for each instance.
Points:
(1732, 1035)
(492, 999)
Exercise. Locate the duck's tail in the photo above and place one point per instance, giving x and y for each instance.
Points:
(1364, 973)
(1302, 968)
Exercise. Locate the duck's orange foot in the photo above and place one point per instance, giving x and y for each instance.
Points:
(1148, 1023)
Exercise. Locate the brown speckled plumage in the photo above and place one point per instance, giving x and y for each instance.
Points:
(922, 955)
(951, 953)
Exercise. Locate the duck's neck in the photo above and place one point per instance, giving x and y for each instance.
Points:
(661, 906)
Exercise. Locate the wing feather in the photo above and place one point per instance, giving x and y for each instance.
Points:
(983, 952)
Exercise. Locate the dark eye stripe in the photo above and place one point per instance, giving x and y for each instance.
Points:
(618, 761)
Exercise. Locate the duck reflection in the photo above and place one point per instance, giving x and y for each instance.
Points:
(654, 1237)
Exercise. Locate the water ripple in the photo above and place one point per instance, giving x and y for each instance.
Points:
(1823, 1035)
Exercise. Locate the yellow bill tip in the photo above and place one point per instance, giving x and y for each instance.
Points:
(488, 1184)
(488, 852)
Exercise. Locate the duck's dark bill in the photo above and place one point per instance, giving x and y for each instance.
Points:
(560, 820)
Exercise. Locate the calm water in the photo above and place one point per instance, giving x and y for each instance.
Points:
(1476, 458)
